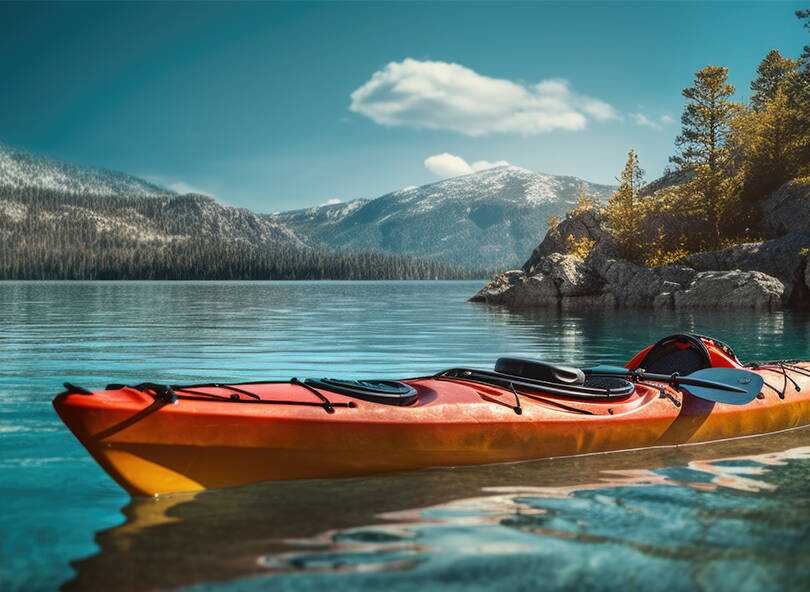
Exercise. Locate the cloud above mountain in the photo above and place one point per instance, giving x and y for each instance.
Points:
(449, 165)
(447, 96)
(183, 188)
(645, 120)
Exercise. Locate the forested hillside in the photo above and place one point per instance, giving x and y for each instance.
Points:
(731, 157)
(48, 234)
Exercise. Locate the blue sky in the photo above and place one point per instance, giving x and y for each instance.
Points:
(275, 106)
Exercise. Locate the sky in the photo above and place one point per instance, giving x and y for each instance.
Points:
(277, 106)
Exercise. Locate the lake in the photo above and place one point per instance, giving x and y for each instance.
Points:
(724, 516)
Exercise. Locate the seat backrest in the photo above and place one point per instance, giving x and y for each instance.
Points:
(679, 353)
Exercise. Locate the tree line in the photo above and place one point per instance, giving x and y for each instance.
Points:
(730, 157)
(50, 235)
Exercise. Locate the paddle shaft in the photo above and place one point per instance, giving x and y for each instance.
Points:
(667, 378)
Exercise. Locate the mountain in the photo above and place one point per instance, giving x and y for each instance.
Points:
(491, 219)
(20, 168)
(143, 219)
(485, 220)
(89, 199)
(53, 235)
(59, 221)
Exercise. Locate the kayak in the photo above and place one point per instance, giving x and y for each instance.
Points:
(157, 439)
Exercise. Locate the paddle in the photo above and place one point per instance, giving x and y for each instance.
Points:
(721, 385)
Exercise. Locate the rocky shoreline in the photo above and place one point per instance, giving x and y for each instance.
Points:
(770, 275)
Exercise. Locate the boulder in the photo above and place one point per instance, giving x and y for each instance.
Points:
(569, 274)
(731, 289)
(493, 291)
(787, 210)
(782, 258)
(666, 299)
(534, 290)
(630, 284)
(583, 224)
(556, 277)
(683, 276)
(668, 180)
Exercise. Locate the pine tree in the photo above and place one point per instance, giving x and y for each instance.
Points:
(773, 73)
(804, 15)
(623, 211)
(799, 86)
(705, 121)
(770, 143)
(702, 145)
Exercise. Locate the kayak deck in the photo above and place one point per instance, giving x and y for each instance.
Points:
(151, 445)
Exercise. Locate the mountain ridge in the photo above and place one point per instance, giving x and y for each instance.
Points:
(22, 168)
(488, 218)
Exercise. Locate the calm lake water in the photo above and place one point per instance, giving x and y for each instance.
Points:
(725, 516)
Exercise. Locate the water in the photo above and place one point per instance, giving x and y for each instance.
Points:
(724, 516)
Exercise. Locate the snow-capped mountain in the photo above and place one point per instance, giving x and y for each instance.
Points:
(491, 218)
(22, 169)
(96, 202)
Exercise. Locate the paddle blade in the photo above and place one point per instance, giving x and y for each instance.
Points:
(749, 382)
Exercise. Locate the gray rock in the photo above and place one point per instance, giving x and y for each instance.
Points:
(666, 181)
(731, 289)
(807, 272)
(683, 276)
(569, 274)
(493, 291)
(787, 210)
(536, 290)
(666, 299)
(631, 284)
(587, 224)
(781, 258)
(556, 277)
(603, 300)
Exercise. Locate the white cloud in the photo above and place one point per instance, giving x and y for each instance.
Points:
(177, 186)
(441, 95)
(449, 165)
(183, 188)
(331, 202)
(482, 165)
(647, 121)
(643, 120)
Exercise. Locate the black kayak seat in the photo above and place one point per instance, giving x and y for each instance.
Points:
(537, 370)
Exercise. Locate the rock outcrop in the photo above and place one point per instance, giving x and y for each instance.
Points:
(666, 181)
(783, 258)
(766, 275)
(587, 224)
(787, 210)
(731, 289)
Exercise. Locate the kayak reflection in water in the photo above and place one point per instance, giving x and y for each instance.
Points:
(632, 514)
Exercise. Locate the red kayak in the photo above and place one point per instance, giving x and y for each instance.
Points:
(156, 439)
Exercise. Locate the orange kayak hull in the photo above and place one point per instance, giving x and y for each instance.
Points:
(154, 447)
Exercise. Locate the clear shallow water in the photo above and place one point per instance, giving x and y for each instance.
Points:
(677, 518)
